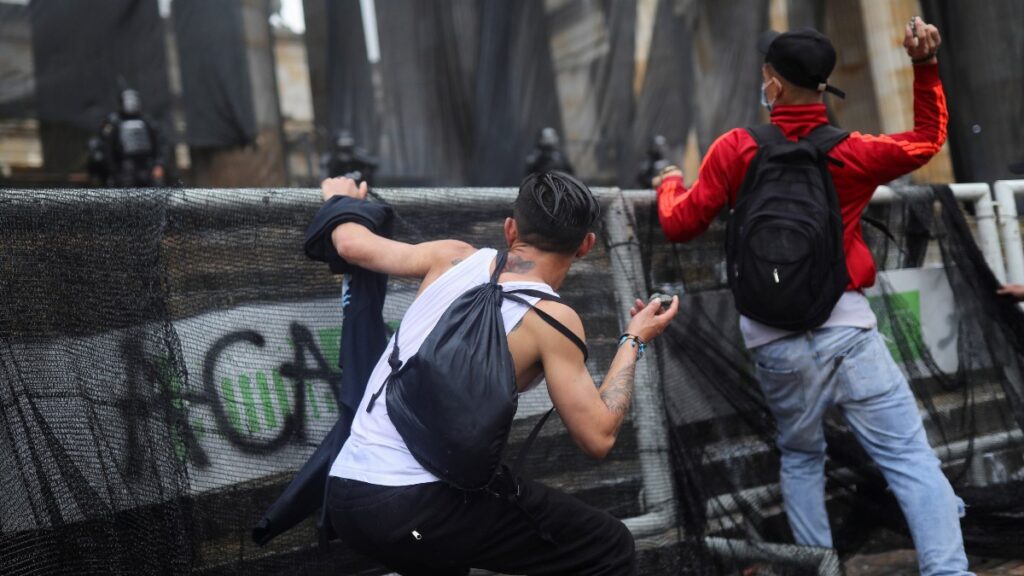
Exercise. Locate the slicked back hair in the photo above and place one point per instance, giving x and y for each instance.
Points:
(554, 211)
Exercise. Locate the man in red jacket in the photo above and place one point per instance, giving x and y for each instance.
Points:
(844, 362)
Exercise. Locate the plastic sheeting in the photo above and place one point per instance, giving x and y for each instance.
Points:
(666, 104)
(701, 55)
(982, 65)
(701, 67)
(466, 85)
(425, 116)
(83, 50)
(217, 92)
(349, 83)
(17, 81)
(593, 46)
(463, 86)
(515, 89)
(728, 66)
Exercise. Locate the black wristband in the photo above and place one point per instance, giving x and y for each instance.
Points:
(923, 59)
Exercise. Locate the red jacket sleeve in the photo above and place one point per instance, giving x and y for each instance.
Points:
(885, 157)
(685, 214)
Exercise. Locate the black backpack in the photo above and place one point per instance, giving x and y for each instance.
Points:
(784, 245)
(454, 400)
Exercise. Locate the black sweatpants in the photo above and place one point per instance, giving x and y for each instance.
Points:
(434, 529)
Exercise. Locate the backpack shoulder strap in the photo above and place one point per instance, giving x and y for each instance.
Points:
(395, 363)
(514, 296)
(499, 265)
(517, 467)
(826, 136)
(765, 134)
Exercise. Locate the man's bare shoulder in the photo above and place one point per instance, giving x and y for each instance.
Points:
(453, 251)
(564, 314)
(443, 255)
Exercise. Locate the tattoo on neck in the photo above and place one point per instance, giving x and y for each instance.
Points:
(456, 261)
(619, 391)
(517, 265)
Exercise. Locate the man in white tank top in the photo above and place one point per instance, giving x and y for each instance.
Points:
(384, 504)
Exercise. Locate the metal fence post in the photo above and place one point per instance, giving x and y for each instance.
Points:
(648, 410)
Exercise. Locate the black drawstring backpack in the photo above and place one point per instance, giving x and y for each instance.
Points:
(454, 400)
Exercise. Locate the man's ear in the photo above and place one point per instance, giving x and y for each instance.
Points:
(773, 85)
(588, 242)
(771, 77)
(511, 231)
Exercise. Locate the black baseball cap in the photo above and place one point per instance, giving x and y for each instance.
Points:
(803, 56)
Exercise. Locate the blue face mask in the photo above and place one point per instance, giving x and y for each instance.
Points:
(764, 99)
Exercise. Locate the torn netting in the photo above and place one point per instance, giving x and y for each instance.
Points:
(725, 461)
(168, 360)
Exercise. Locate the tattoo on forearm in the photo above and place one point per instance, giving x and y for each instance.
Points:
(619, 391)
(517, 265)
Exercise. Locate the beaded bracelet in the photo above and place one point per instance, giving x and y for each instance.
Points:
(639, 344)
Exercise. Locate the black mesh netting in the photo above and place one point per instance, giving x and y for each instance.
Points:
(168, 361)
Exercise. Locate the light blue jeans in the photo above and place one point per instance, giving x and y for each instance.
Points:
(802, 376)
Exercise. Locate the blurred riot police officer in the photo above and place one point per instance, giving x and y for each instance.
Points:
(349, 160)
(655, 162)
(131, 149)
(547, 154)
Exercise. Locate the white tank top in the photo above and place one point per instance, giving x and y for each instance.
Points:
(375, 452)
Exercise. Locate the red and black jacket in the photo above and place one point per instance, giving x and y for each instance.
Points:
(865, 162)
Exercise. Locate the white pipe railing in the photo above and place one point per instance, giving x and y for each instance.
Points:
(1006, 192)
(977, 194)
(989, 233)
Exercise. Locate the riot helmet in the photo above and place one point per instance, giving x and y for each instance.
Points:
(131, 102)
